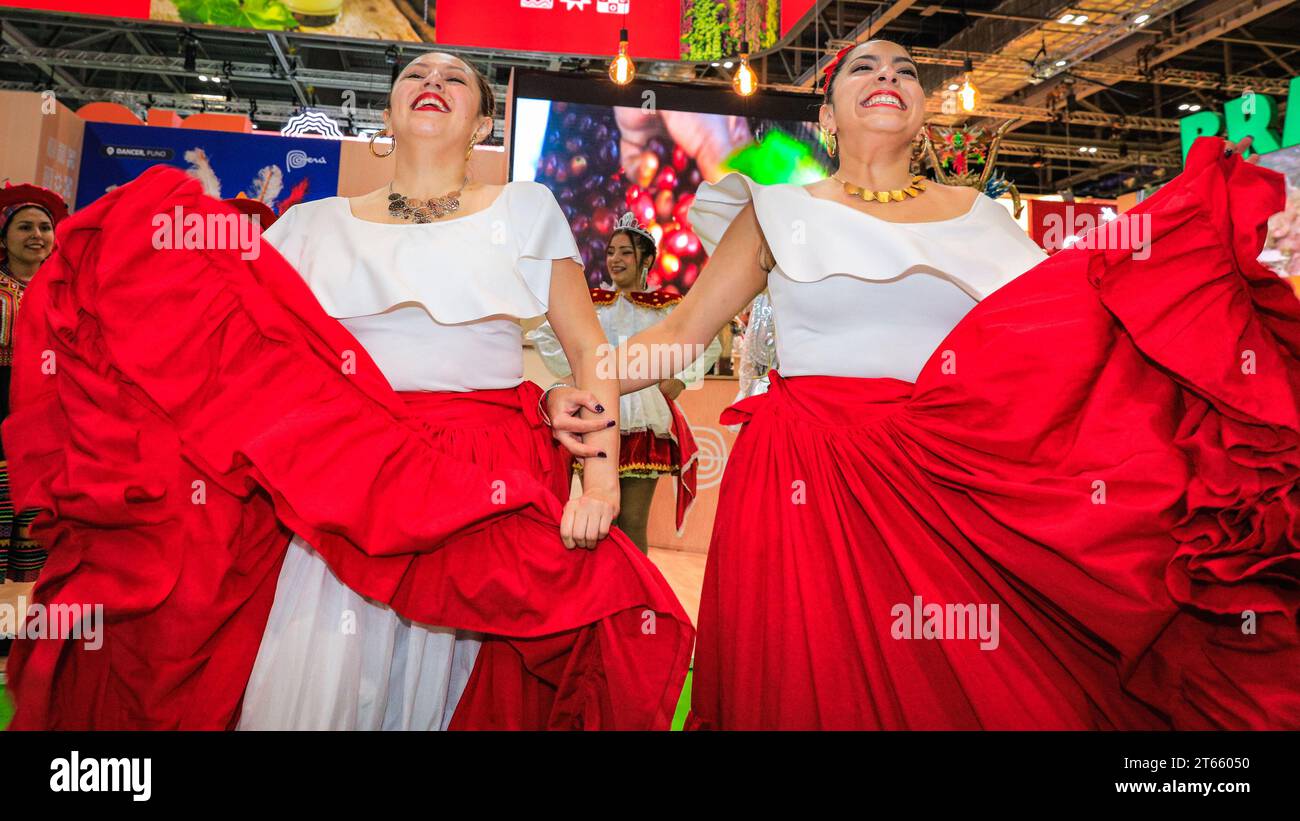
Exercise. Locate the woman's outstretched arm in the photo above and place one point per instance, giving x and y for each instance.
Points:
(732, 278)
(573, 319)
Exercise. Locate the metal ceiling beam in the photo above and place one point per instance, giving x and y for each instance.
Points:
(1272, 55)
(1108, 72)
(1212, 25)
(1112, 73)
(1214, 19)
(274, 112)
(1027, 147)
(861, 33)
(17, 41)
(289, 71)
(267, 112)
(143, 49)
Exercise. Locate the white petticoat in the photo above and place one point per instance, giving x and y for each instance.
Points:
(332, 660)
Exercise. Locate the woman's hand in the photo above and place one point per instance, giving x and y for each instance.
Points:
(587, 519)
(1240, 147)
(563, 406)
(672, 388)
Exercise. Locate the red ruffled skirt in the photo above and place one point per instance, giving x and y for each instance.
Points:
(526, 682)
(173, 460)
(1091, 521)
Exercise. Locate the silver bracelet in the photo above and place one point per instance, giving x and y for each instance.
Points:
(541, 402)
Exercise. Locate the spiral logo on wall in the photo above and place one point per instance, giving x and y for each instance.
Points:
(711, 456)
(311, 123)
(296, 159)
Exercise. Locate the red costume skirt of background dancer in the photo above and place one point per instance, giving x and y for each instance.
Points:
(642, 453)
(1084, 514)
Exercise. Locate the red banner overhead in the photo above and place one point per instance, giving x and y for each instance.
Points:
(791, 12)
(563, 26)
(138, 9)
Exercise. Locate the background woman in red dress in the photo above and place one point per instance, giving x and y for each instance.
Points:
(28, 216)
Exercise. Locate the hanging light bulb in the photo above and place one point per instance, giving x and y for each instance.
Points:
(621, 69)
(968, 94)
(744, 81)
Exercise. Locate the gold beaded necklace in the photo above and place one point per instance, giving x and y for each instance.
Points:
(913, 189)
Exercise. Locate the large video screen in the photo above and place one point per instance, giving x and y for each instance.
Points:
(605, 150)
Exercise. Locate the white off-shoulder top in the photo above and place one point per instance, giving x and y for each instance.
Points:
(854, 295)
(435, 305)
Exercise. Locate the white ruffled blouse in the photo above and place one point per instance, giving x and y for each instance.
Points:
(436, 305)
(845, 293)
(646, 409)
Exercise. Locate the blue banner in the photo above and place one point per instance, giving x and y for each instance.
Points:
(279, 171)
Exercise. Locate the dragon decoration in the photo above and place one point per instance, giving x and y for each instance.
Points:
(965, 156)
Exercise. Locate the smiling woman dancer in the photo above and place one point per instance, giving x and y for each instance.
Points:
(28, 216)
(976, 497)
(427, 584)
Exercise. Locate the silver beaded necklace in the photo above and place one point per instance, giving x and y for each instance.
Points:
(422, 211)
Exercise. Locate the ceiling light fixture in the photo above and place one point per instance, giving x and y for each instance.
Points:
(621, 69)
(745, 80)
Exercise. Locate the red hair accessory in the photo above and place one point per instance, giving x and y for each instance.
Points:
(829, 71)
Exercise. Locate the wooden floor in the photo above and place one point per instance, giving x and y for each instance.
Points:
(683, 570)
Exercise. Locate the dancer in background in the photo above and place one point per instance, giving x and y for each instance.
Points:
(28, 216)
(988, 491)
(656, 439)
(278, 537)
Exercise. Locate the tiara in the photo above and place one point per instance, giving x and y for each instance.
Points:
(628, 222)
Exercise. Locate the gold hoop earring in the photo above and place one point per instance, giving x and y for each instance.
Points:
(832, 143)
(924, 148)
(375, 136)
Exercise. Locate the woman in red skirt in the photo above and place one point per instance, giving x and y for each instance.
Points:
(987, 490)
(305, 481)
(655, 437)
(28, 216)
